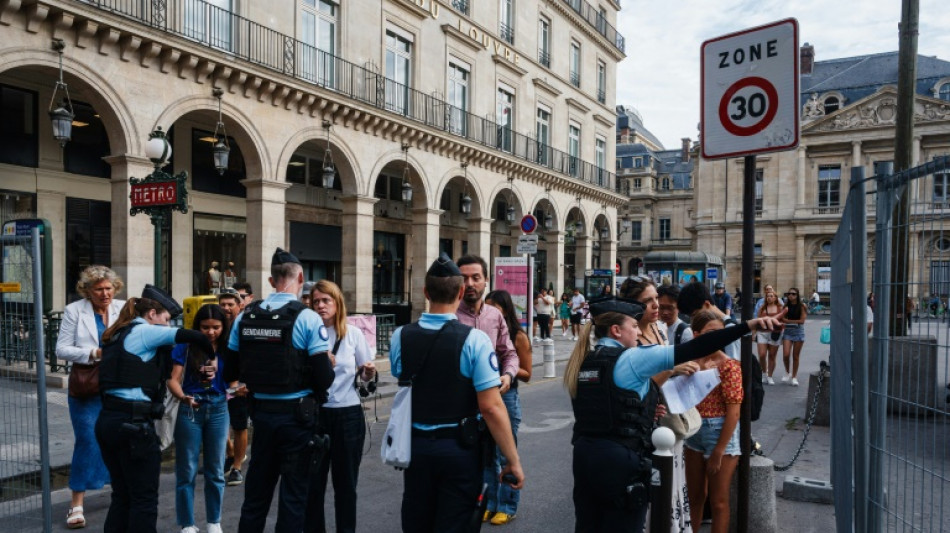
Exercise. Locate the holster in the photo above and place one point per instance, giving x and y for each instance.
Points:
(469, 432)
(318, 446)
(636, 494)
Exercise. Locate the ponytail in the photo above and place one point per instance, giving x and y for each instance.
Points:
(134, 308)
(573, 369)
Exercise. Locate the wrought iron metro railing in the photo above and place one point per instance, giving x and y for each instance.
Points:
(249, 41)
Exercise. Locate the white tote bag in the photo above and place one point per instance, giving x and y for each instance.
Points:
(396, 449)
(165, 426)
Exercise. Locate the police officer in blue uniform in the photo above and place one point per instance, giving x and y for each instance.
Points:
(614, 403)
(453, 371)
(283, 353)
(134, 360)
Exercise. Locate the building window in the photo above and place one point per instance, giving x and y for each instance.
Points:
(88, 232)
(388, 188)
(543, 135)
(389, 252)
(501, 211)
(602, 21)
(222, 239)
(832, 104)
(940, 278)
(398, 64)
(458, 98)
(759, 175)
(600, 158)
(318, 32)
(575, 64)
(205, 178)
(638, 163)
(665, 184)
(574, 149)
(944, 92)
(506, 24)
(19, 143)
(209, 22)
(544, 42)
(757, 249)
(829, 185)
(636, 230)
(664, 234)
(601, 82)
(637, 184)
(941, 188)
(506, 117)
(461, 6)
(89, 144)
(307, 169)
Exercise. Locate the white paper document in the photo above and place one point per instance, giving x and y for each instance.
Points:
(684, 392)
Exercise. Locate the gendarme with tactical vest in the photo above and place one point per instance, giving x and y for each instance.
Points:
(270, 364)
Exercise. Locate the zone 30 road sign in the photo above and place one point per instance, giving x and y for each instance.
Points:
(750, 91)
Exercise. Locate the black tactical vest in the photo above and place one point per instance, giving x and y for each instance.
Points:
(269, 362)
(121, 369)
(441, 394)
(603, 410)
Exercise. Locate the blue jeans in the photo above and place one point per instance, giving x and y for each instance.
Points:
(207, 427)
(501, 497)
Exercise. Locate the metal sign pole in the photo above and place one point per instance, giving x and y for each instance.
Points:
(745, 416)
(41, 379)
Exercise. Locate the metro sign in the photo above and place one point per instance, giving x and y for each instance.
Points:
(750, 91)
(154, 194)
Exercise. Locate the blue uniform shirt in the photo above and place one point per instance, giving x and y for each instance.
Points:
(637, 365)
(477, 362)
(144, 340)
(309, 334)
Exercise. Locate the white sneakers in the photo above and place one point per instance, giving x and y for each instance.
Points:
(193, 529)
(794, 382)
(771, 381)
(785, 378)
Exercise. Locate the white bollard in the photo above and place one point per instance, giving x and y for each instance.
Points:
(661, 481)
(548, 351)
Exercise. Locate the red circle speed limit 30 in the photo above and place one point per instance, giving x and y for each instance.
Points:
(748, 106)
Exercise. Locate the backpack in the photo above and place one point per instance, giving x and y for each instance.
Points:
(757, 397)
(678, 335)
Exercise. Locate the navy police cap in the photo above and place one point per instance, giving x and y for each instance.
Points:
(624, 306)
(163, 298)
(443, 267)
(282, 256)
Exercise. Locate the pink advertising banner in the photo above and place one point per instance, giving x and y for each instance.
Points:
(513, 274)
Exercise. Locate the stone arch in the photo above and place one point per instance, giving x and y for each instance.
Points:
(543, 200)
(253, 147)
(576, 212)
(510, 192)
(601, 221)
(124, 136)
(458, 173)
(417, 177)
(346, 162)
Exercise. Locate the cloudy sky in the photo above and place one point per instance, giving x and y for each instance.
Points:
(660, 76)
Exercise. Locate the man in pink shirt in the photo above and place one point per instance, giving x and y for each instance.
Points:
(474, 313)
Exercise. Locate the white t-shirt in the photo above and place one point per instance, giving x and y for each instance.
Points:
(577, 303)
(353, 352)
(671, 332)
(545, 305)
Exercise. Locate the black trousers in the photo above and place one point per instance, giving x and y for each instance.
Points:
(442, 485)
(132, 454)
(602, 471)
(347, 430)
(280, 453)
(544, 324)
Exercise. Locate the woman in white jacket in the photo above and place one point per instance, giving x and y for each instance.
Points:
(79, 343)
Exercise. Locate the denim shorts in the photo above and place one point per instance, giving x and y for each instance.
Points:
(794, 333)
(704, 441)
(765, 337)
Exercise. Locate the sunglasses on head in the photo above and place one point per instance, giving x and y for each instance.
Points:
(639, 279)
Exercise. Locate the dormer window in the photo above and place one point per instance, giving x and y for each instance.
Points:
(944, 92)
(832, 104)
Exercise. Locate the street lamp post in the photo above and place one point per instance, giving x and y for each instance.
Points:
(159, 193)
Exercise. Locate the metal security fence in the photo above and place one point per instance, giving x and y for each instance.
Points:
(24, 441)
(890, 411)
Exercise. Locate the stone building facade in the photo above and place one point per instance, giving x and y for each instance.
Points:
(461, 102)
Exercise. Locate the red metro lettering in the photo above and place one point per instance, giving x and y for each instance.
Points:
(754, 53)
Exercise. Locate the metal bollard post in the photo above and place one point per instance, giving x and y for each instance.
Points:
(548, 347)
(661, 493)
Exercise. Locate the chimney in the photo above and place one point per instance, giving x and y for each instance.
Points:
(807, 59)
(687, 143)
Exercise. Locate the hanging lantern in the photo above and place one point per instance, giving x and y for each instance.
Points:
(329, 171)
(222, 149)
(61, 117)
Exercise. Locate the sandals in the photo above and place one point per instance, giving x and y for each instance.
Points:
(75, 518)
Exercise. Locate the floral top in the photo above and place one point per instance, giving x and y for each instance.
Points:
(729, 391)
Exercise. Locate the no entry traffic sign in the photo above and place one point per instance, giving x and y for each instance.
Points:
(750, 91)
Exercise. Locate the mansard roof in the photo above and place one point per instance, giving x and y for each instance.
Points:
(858, 77)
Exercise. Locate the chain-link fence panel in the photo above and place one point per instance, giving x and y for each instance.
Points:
(24, 443)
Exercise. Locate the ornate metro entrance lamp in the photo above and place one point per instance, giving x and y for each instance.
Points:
(159, 193)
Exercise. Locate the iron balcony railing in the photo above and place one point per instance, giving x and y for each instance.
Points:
(461, 6)
(601, 96)
(576, 79)
(506, 32)
(598, 22)
(246, 40)
(544, 58)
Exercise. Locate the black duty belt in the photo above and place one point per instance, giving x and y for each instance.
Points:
(136, 409)
(276, 406)
(440, 433)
